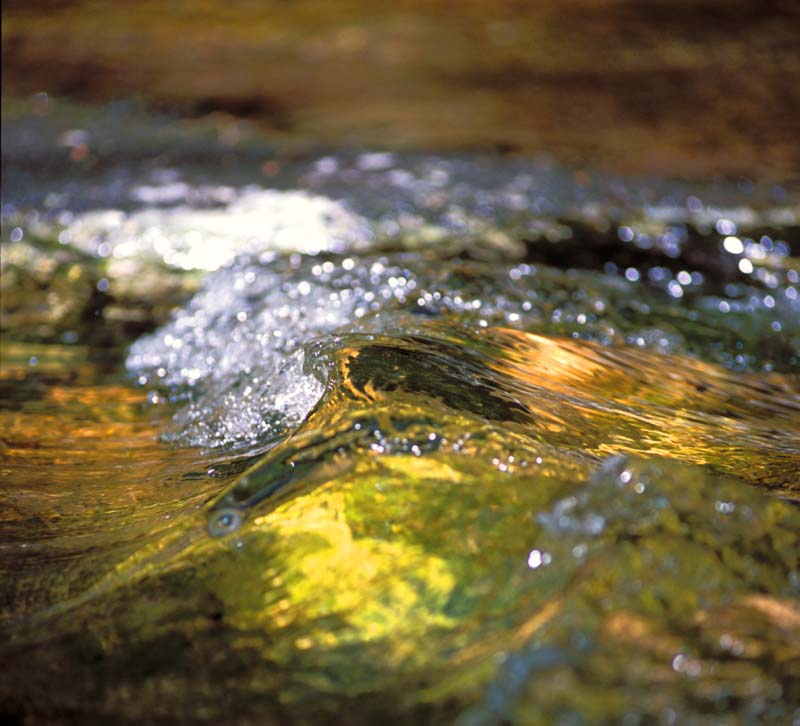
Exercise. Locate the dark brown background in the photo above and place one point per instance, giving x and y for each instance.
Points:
(679, 87)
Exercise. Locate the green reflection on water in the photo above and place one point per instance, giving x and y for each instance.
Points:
(502, 569)
(539, 524)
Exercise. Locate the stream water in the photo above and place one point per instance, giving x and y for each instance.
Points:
(345, 436)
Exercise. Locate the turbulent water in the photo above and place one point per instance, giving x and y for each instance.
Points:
(364, 436)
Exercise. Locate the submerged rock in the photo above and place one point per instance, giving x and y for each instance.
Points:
(508, 448)
(458, 531)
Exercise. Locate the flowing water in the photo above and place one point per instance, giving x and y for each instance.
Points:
(338, 437)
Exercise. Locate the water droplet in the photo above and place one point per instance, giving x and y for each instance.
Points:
(537, 559)
(224, 522)
(733, 245)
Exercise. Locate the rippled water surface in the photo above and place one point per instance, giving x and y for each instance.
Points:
(404, 437)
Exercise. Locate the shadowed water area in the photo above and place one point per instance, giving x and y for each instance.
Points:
(325, 435)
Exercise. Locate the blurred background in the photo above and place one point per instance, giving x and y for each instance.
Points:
(687, 88)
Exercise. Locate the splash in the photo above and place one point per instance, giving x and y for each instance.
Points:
(238, 357)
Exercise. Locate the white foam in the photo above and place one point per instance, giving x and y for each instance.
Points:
(189, 238)
(237, 348)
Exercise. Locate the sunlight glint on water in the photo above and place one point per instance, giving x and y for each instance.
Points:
(501, 450)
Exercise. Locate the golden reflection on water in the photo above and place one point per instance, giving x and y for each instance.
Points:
(83, 472)
(388, 568)
(385, 545)
(638, 402)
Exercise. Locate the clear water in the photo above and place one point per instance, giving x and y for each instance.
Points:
(406, 437)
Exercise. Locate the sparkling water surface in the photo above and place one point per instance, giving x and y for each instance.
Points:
(404, 436)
